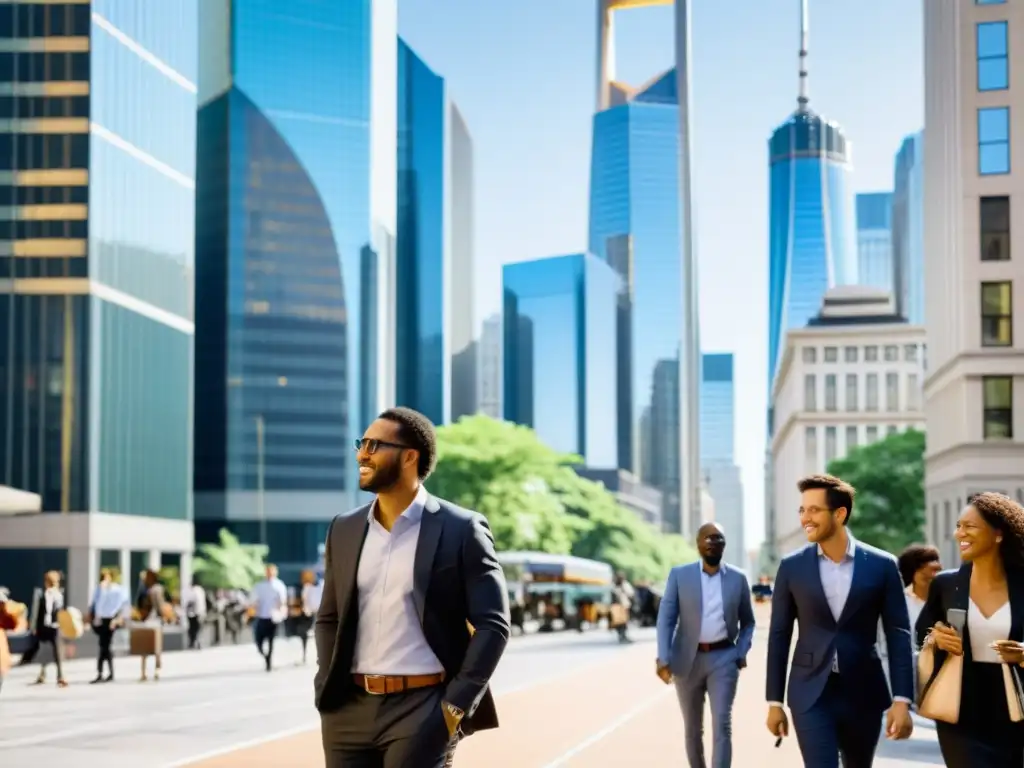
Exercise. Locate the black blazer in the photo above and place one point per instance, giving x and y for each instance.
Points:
(952, 589)
(456, 579)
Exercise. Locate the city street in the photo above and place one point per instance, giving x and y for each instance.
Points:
(564, 700)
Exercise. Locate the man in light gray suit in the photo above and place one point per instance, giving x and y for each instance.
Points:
(705, 629)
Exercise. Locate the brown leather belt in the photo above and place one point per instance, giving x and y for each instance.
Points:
(379, 685)
(721, 645)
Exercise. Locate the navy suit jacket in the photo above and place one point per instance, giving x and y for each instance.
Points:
(876, 592)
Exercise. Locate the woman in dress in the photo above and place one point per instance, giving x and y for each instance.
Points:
(989, 586)
(153, 609)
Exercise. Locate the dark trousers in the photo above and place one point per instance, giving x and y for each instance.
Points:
(837, 725)
(51, 637)
(264, 631)
(105, 633)
(194, 625)
(984, 737)
(399, 730)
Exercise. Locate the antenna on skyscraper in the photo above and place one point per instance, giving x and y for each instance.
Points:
(802, 99)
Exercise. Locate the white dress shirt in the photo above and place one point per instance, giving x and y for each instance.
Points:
(389, 638)
(984, 632)
(311, 595)
(195, 601)
(109, 601)
(712, 622)
(270, 597)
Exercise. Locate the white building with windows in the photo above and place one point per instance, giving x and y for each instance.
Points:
(974, 269)
(849, 378)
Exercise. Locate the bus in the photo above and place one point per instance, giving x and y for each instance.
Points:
(558, 591)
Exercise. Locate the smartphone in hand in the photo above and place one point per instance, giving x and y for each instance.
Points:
(957, 619)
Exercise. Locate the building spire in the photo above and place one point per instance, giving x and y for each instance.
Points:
(802, 99)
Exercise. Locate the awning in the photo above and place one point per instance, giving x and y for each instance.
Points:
(14, 501)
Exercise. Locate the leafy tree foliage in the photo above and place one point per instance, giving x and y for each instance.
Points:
(229, 564)
(534, 500)
(889, 477)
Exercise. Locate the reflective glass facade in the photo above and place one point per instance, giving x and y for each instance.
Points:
(717, 408)
(560, 354)
(908, 229)
(635, 227)
(811, 224)
(295, 218)
(874, 239)
(97, 158)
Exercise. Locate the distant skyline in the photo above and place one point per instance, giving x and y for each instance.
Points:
(530, 117)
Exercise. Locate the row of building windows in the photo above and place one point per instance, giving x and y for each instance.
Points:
(28, 107)
(43, 266)
(43, 20)
(28, 229)
(35, 67)
(851, 354)
(43, 151)
(993, 55)
(911, 399)
(851, 433)
(18, 195)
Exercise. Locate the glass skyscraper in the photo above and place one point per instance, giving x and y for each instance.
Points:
(559, 356)
(908, 229)
(296, 214)
(874, 240)
(97, 164)
(811, 247)
(717, 450)
(435, 352)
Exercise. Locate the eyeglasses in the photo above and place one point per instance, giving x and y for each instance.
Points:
(370, 445)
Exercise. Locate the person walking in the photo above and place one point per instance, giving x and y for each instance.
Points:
(194, 601)
(270, 600)
(414, 615)
(705, 630)
(988, 588)
(836, 589)
(106, 613)
(47, 629)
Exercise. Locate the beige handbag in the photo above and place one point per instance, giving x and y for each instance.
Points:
(940, 698)
(1014, 692)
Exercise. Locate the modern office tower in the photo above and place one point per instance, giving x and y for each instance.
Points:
(641, 224)
(810, 224)
(435, 351)
(974, 265)
(490, 368)
(717, 448)
(296, 206)
(850, 378)
(874, 240)
(97, 164)
(908, 229)
(559, 353)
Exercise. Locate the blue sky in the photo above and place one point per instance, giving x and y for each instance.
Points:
(523, 76)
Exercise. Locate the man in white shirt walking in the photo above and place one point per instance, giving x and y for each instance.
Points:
(107, 611)
(270, 599)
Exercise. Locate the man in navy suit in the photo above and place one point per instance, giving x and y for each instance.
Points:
(837, 589)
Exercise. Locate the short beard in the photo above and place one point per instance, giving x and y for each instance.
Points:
(383, 479)
(712, 560)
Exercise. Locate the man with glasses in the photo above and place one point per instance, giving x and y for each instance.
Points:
(414, 615)
(705, 629)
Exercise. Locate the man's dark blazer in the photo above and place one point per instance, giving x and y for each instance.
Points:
(876, 592)
(456, 579)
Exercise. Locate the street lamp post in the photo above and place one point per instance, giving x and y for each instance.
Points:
(260, 511)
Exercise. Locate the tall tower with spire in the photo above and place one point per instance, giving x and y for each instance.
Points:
(811, 224)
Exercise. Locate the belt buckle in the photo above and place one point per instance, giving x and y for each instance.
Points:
(384, 684)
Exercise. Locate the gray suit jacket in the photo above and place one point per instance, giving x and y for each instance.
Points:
(681, 612)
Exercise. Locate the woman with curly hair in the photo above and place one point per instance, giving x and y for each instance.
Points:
(989, 587)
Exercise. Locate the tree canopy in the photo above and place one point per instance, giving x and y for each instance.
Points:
(229, 564)
(534, 500)
(888, 475)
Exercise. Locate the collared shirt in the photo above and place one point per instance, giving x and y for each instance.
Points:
(836, 580)
(270, 597)
(109, 601)
(194, 601)
(389, 638)
(712, 622)
(311, 596)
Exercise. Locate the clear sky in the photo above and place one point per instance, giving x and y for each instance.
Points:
(523, 75)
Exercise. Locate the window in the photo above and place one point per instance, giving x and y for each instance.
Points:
(811, 450)
(913, 392)
(831, 354)
(993, 140)
(892, 429)
(830, 444)
(892, 392)
(871, 392)
(892, 353)
(851, 392)
(810, 354)
(993, 56)
(994, 219)
(872, 434)
(989, 2)
(871, 354)
(910, 353)
(851, 438)
(830, 392)
(996, 314)
(810, 392)
(850, 354)
(997, 394)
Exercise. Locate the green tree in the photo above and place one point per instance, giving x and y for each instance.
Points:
(889, 477)
(229, 564)
(534, 500)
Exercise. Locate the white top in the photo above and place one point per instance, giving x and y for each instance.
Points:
(270, 597)
(389, 637)
(712, 621)
(984, 632)
(311, 595)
